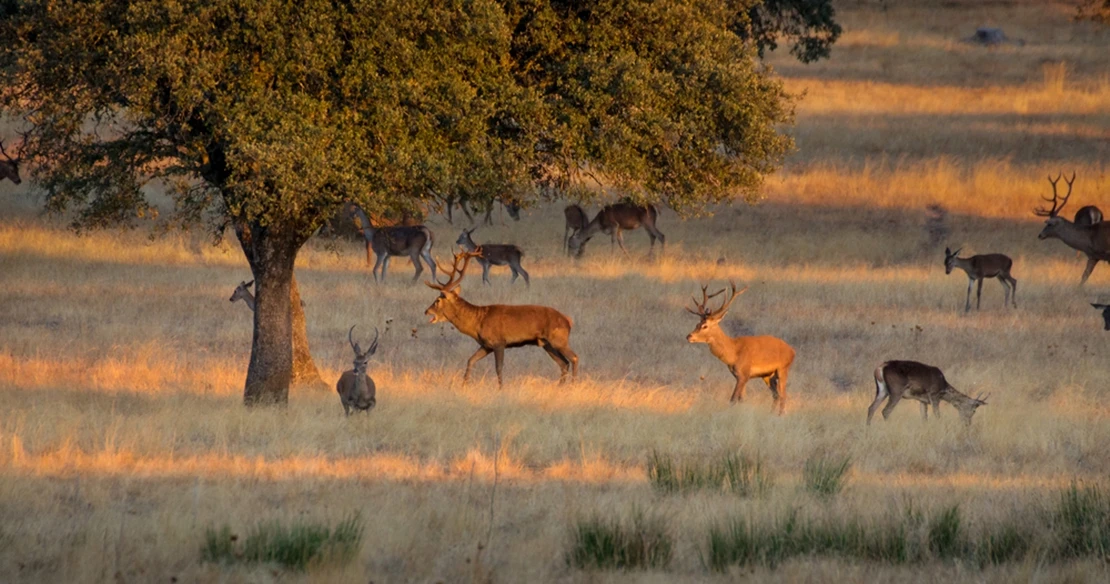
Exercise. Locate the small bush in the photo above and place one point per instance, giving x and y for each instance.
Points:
(945, 539)
(1005, 544)
(293, 546)
(824, 476)
(610, 544)
(728, 473)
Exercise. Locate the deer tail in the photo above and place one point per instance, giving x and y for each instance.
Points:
(880, 380)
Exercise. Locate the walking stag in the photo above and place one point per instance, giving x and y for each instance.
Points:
(979, 268)
(414, 241)
(500, 326)
(615, 218)
(576, 221)
(895, 380)
(766, 357)
(1091, 239)
(494, 254)
(356, 389)
(9, 168)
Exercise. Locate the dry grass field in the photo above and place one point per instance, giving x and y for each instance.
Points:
(123, 438)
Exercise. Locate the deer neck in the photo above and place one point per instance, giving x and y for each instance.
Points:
(466, 317)
(1075, 236)
(248, 299)
(469, 245)
(959, 400)
(720, 344)
(965, 265)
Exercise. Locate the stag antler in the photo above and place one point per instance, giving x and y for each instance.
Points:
(982, 399)
(457, 273)
(699, 307)
(724, 305)
(358, 349)
(1057, 203)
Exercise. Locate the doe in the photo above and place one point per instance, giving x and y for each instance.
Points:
(494, 254)
(980, 267)
(909, 379)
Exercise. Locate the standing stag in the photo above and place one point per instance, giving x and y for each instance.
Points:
(1092, 239)
(615, 218)
(414, 241)
(1105, 308)
(9, 169)
(979, 268)
(356, 389)
(576, 221)
(766, 357)
(924, 383)
(500, 326)
(494, 254)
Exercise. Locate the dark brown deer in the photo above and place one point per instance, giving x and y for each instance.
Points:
(766, 357)
(494, 254)
(1088, 215)
(979, 268)
(511, 206)
(909, 379)
(1092, 240)
(414, 241)
(356, 389)
(615, 218)
(500, 326)
(9, 169)
(1105, 308)
(576, 221)
(242, 292)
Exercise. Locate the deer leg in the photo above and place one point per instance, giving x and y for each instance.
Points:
(741, 381)
(967, 302)
(1090, 268)
(620, 241)
(979, 293)
(499, 362)
(427, 255)
(518, 268)
(477, 356)
(559, 359)
(936, 406)
(1013, 291)
(368, 249)
(416, 264)
(925, 411)
(377, 265)
(894, 399)
(485, 272)
(778, 389)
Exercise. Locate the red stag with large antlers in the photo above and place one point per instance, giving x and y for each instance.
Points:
(501, 326)
(1091, 239)
(912, 380)
(766, 357)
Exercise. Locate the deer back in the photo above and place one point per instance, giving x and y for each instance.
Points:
(512, 325)
(918, 379)
(991, 264)
(1088, 215)
(500, 254)
(401, 240)
(576, 217)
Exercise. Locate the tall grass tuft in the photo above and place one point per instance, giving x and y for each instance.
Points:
(294, 546)
(1082, 522)
(612, 544)
(946, 540)
(729, 473)
(825, 476)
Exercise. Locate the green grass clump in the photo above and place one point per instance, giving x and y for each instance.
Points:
(612, 544)
(1082, 522)
(729, 473)
(826, 476)
(293, 546)
(946, 540)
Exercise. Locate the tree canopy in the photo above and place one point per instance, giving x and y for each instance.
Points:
(267, 115)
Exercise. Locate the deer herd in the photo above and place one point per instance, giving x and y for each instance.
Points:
(498, 327)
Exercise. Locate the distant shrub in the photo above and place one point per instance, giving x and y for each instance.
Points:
(612, 544)
(294, 546)
(729, 473)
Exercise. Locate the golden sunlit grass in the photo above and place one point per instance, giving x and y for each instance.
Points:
(122, 362)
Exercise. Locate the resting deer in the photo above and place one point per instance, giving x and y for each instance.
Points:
(909, 379)
(500, 326)
(979, 268)
(615, 218)
(414, 241)
(1093, 240)
(356, 389)
(494, 254)
(1105, 308)
(766, 357)
(576, 221)
(9, 169)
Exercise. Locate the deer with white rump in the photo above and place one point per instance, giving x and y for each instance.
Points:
(766, 357)
(895, 380)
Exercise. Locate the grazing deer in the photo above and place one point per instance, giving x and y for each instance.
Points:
(766, 357)
(615, 218)
(356, 389)
(495, 254)
(414, 241)
(1105, 308)
(500, 326)
(979, 268)
(9, 169)
(1093, 240)
(924, 383)
(576, 221)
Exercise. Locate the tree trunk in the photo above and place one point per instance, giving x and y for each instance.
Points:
(305, 373)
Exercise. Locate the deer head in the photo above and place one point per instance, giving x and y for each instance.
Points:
(950, 259)
(710, 319)
(359, 394)
(449, 291)
(1053, 223)
(1105, 308)
(242, 292)
(9, 168)
(465, 240)
(968, 405)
